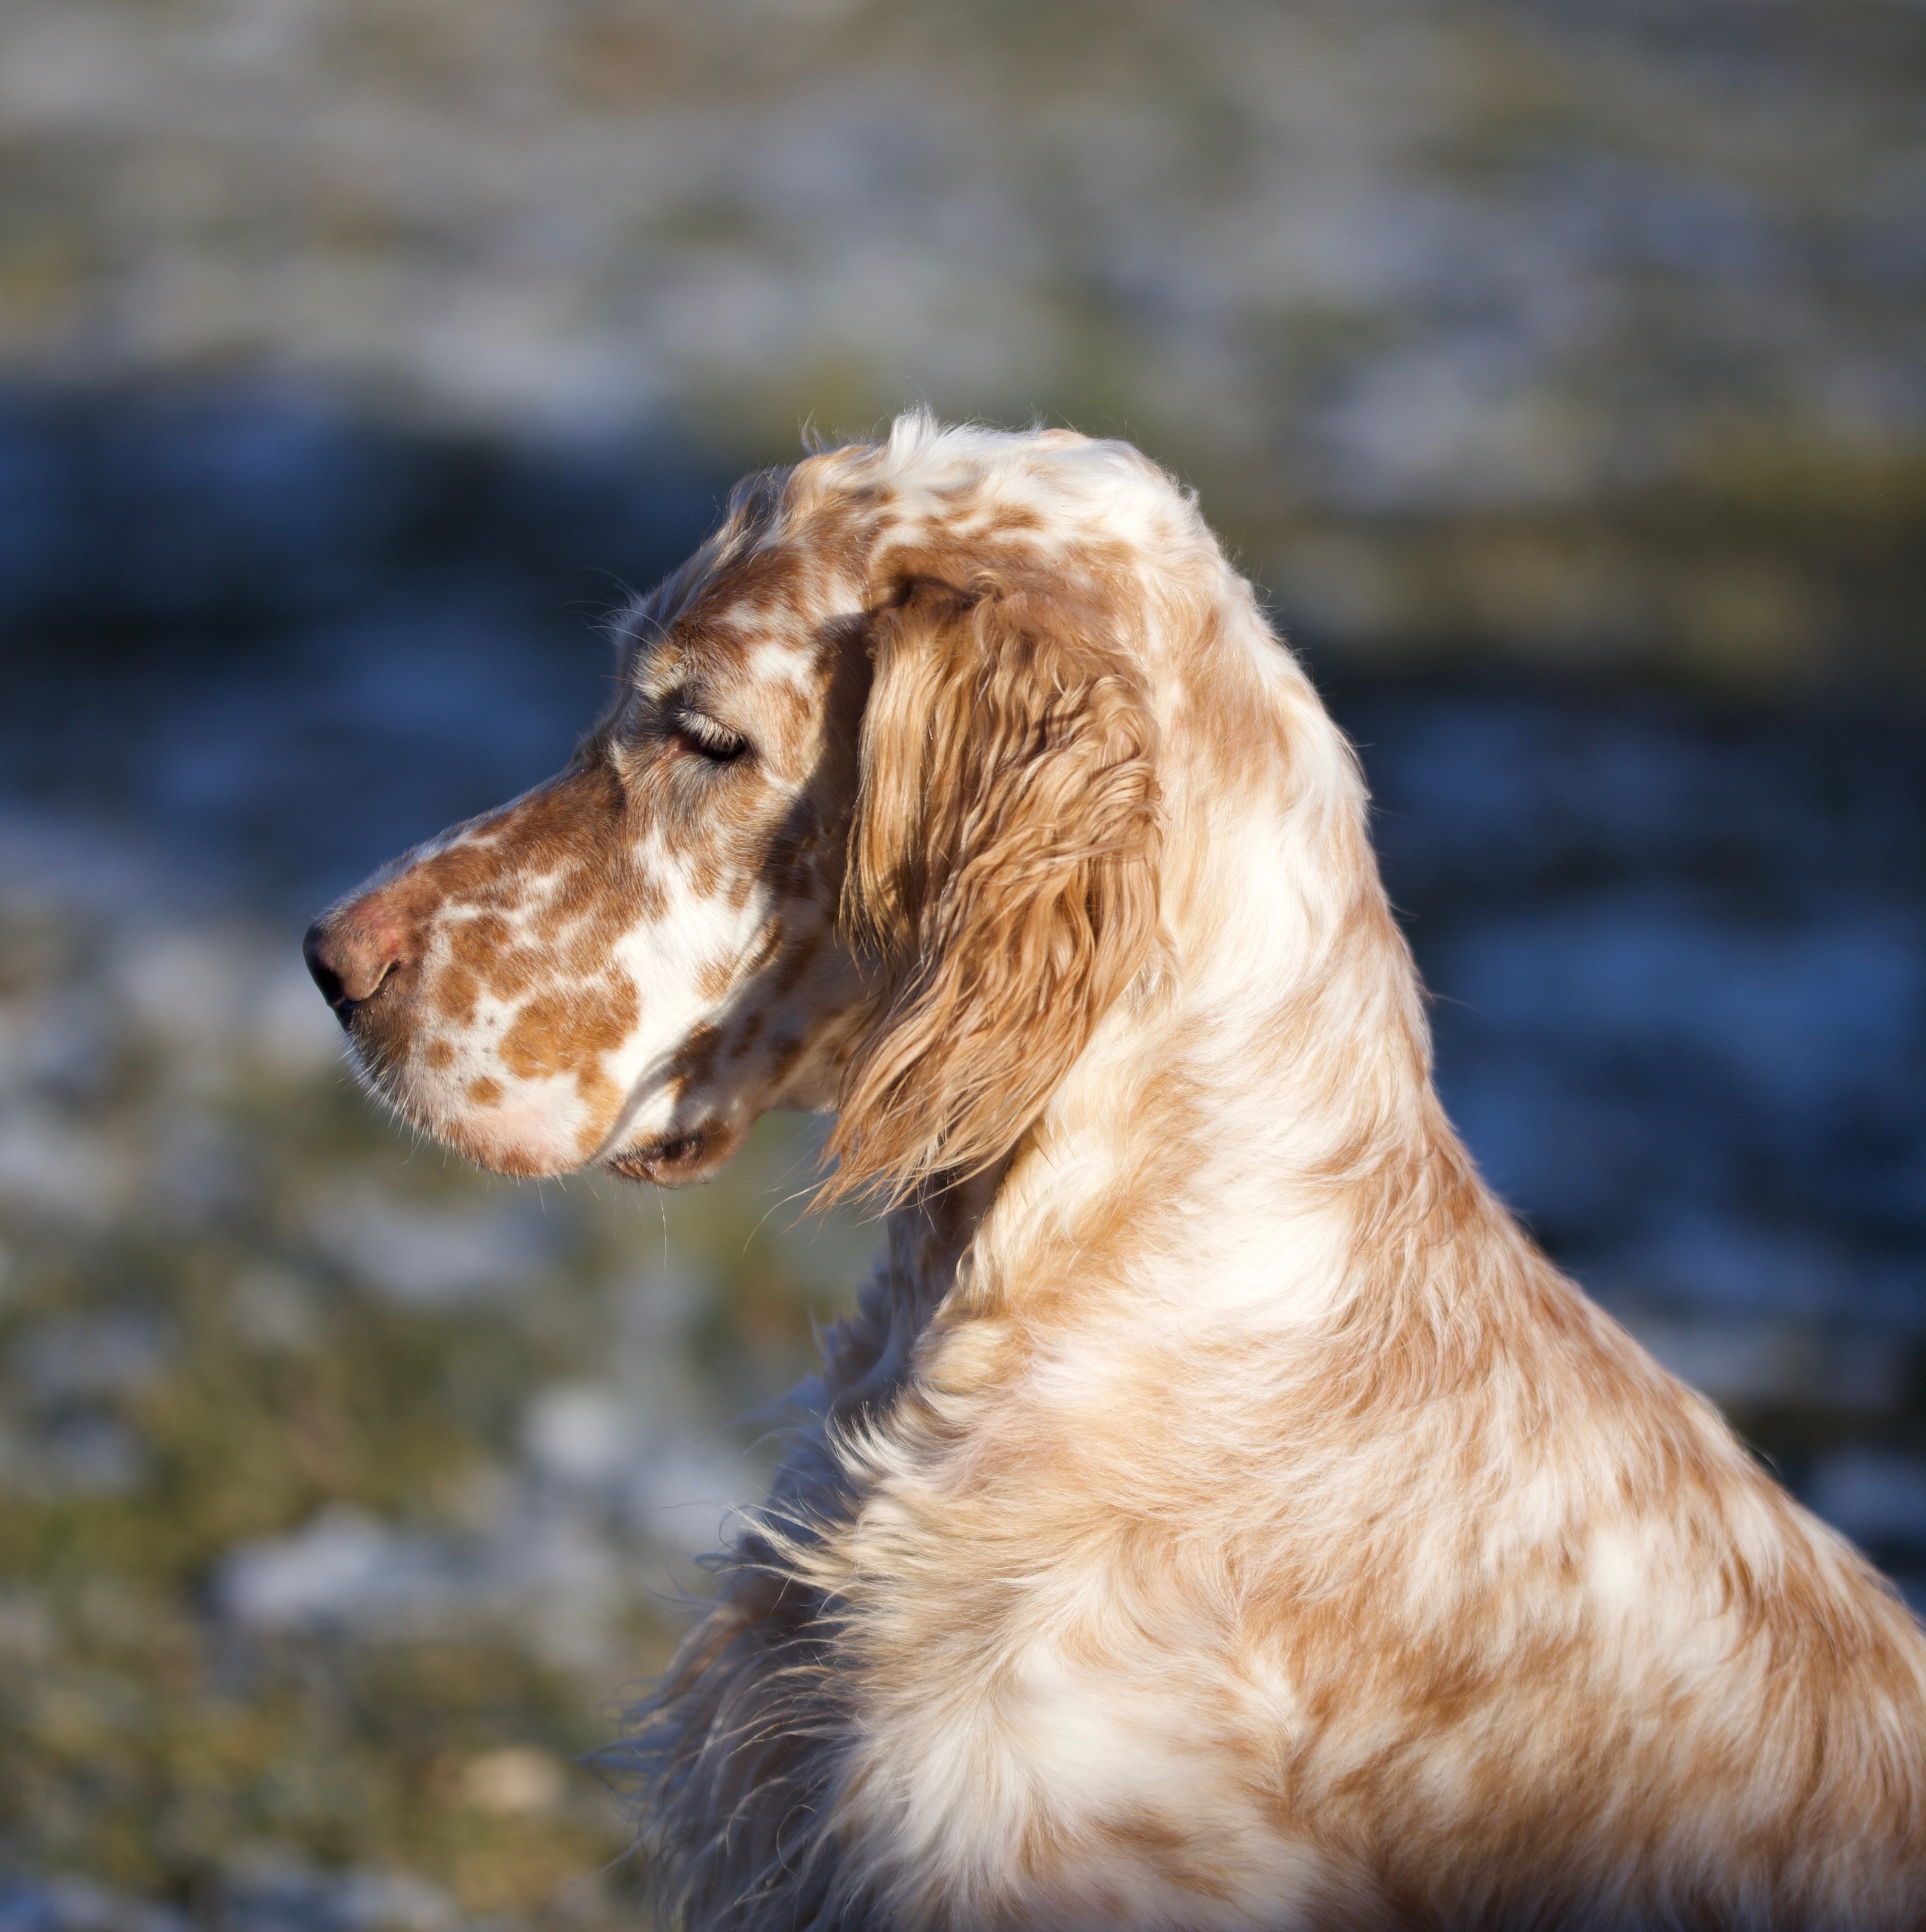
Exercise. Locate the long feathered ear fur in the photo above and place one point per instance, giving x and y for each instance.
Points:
(1002, 872)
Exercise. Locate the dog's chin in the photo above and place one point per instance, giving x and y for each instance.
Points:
(519, 1156)
(678, 1160)
(524, 1143)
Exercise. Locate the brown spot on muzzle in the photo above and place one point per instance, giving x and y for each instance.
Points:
(562, 1032)
(573, 827)
(530, 903)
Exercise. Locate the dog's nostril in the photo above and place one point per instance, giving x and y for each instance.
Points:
(314, 951)
(349, 963)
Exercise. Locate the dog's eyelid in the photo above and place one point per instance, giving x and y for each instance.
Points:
(709, 736)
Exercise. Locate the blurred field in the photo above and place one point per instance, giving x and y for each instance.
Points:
(1557, 369)
(1583, 334)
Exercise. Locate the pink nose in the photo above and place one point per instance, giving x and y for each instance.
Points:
(350, 952)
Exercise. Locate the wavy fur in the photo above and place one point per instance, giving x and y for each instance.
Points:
(1002, 872)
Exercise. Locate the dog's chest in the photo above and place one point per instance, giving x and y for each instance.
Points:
(1103, 1775)
(1034, 1696)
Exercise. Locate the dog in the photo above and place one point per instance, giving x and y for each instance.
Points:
(1215, 1513)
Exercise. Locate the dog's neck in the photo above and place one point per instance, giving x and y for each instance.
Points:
(1257, 1112)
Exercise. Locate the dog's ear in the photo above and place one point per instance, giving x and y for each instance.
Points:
(1001, 872)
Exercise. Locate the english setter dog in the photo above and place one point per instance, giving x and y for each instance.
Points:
(1215, 1512)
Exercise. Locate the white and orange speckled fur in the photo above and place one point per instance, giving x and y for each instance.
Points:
(1215, 1512)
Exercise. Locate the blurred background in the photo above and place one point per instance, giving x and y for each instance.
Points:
(1557, 368)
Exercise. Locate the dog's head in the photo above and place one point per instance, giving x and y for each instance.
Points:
(870, 824)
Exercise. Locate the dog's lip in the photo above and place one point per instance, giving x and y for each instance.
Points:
(669, 1158)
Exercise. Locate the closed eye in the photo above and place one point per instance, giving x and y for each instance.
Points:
(704, 735)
